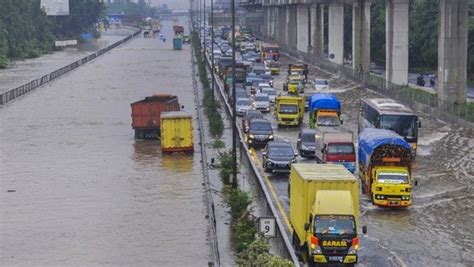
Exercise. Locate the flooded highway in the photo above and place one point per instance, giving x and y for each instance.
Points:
(77, 189)
(437, 229)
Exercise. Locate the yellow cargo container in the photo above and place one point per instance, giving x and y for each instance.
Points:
(324, 212)
(177, 132)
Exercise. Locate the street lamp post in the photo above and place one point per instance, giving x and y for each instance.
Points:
(212, 55)
(234, 118)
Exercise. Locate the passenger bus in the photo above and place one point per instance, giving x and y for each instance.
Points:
(385, 113)
(269, 52)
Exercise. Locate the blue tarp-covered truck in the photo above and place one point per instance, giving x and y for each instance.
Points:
(324, 110)
(385, 167)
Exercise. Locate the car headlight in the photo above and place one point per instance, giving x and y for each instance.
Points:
(352, 250)
(251, 136)
(270, 136)
(304, 147)
(317, 250)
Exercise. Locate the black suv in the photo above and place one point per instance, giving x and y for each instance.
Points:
(259, 133)
(306, 144)
(250, 115)
(278, 156)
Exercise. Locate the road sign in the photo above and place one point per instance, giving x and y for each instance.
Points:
(267, 226)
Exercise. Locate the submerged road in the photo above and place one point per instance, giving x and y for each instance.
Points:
(437, 229)
(77, 189)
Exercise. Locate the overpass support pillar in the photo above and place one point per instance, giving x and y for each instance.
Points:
(303, 33)
(361, 35)
(281, 31)
(336, 32)
(317, 30)
(266, 21)
(396, 62)
(452, 51)
(274, 20)
(292, 27)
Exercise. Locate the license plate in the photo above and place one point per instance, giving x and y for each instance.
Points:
(282, 165)
(394, 203)
(335, 258)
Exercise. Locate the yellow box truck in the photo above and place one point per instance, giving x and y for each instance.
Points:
(176, 132)
(289, 110)
(324, 213)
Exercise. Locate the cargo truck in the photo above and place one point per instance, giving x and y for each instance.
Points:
(335, 145)
(289, 110)
(299, 69)
(176, 132)
(324, 110)
(177, 43)
(385, 160)
(294, 84)
(240, 75)
(324, 213)
(146, 114)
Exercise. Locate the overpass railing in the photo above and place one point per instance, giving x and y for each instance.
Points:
(425, 101)
(32, 85)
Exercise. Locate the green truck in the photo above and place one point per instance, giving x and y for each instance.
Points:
(324, 213)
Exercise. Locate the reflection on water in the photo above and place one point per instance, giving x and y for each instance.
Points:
(86, 193)
(181, 163)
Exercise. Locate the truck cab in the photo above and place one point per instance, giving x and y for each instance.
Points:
(334, 145)
(289, 110)
(324, 110)
(391, 186)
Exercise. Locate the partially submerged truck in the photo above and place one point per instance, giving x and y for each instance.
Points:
(289, 110)
(146, 114)
(324, 213)
(294, 84)
(335, 145)
(385, 161)
(176, 132)
(299, 69)
(324, 110)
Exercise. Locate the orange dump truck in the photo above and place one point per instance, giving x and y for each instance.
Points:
(146, 114)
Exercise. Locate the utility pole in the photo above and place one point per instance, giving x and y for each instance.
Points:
(204, 27)
(234, 118)
(212, 56)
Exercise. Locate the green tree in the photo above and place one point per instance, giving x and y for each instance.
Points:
(470, 63)
(377, 31)
(3, 46)
(424, 19)
(83, 14)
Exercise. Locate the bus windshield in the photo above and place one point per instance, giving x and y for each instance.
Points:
(403, 125)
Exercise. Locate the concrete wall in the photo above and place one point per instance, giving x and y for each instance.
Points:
(303, 34)
(336, 32)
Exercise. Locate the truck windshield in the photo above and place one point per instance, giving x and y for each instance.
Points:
(340, 149)
(288, 109)
(403, 125)
(328, 121)
(393, 178)
(334, 225)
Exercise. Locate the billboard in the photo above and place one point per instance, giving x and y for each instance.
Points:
(55, 7)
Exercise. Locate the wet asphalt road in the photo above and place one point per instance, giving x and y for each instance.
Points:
(84, 192)
(437, 229)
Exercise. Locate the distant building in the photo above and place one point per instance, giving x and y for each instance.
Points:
(55, 7)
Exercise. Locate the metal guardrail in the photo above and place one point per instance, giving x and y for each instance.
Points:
(25, 88)
(210, 201)
(287, 246)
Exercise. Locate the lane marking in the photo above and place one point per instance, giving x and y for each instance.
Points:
(272, 190)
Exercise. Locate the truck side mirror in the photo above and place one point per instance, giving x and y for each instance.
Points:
(416, 182)
(364, 229)
(419, 124)
(299, 140)
(264, 154)
(306, 227)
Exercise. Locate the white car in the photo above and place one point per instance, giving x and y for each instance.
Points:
(261, 86)
(321, 84)
(242, 105)
(271, 93)
(261, 102)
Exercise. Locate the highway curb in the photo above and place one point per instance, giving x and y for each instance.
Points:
(287, 248)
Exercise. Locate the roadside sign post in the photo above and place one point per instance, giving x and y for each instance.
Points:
(267, 226)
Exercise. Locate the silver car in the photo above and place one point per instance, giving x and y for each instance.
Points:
(261, 102)
(271, 93)
(242, 105)
(321, 84)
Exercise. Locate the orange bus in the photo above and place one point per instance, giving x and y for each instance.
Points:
(269, 51)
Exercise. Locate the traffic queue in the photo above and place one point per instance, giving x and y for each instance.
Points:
(324, 202)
